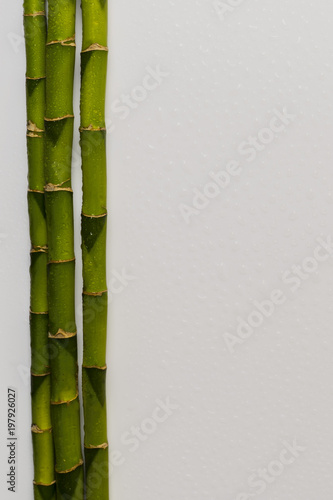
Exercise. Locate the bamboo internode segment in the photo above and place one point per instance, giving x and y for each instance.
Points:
(93, 229)
(41, 429)
(65, 405)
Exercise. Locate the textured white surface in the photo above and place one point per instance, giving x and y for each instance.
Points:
(235, 411)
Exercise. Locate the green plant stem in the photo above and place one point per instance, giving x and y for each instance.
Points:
(65, 406)
(35, 37)
(95, 300)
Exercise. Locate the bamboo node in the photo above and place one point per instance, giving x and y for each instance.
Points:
(67, 42)
(92, 129)
(94, 294)
(61, 334)
(58, 118)
(40, 374)
(36, 430)
(50, 188)
(44, 484)
(35, 14)
(94, 216)
(39, 249)
(33, 134)
(43, 312)
(102, 446)
(95, 46)
(35, 77)
(71, 469)
(35, 191)
(32, 127)
(55, 403)
(95, 367)
(61, 261)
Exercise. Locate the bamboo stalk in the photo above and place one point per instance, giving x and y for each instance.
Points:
(93, 229)
(35, 37)
(65, 406)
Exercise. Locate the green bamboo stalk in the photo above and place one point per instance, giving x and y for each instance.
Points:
(65, 406)
(93, 229)
(35, 37)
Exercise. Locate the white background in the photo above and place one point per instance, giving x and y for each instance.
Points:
(226, 75)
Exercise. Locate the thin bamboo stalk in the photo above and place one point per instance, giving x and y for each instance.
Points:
(65, 406)
(93, 229)
(35, 37)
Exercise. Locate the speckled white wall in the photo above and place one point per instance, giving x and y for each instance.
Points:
(220, 249)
